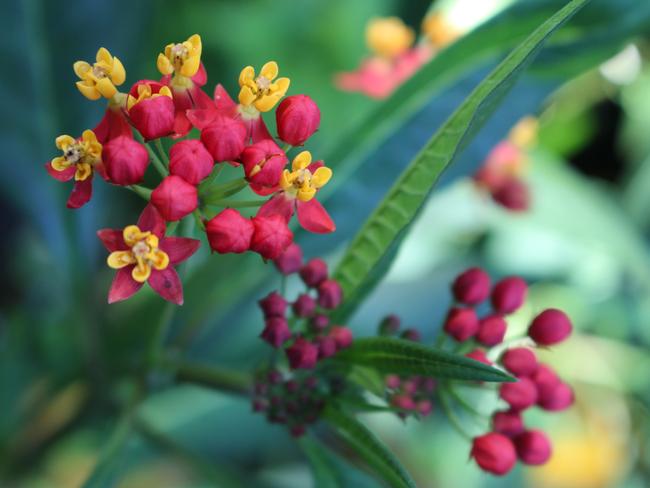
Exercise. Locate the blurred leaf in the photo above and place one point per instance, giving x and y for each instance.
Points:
(374, 452)
(409, 193)
(401, 356)
(325, 474)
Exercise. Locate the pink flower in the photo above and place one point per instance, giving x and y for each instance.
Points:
(519, 395)
(273, 305)
(263, 163)
(151, 109)
(290, 261)
(229, 231)
(190, 160)
(550, 327)
(494, 453)
(533, 447)
(175, 198)
(471, 287)
(225, 137)
(479, 355)
(491, 330)
(520, 361)
(112, 125)
(508, 423)
(509, 294)
(271, 236)
(126, 160)
(461, 323)
(302, 354)
(297, 118)
(276, 332)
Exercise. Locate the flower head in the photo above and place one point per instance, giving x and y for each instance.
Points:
(151, 109)
(181, 59)
(261, 92)
(100, 79)
(302, 182)
(389, 36)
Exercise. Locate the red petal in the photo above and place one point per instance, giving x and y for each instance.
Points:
(179, 248)
(278, 205)
(167, 284)
(263, 191)
(200, 99)
(201, 117)
(258, 130)
(81, 193)
(201, 76)
(222, 100)
(314, 218)
(66, 175)
(123, 285)
(112, 239)
(112, 125)
(315, 165)
(150, 219)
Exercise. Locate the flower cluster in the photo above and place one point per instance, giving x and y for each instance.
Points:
(141, 128)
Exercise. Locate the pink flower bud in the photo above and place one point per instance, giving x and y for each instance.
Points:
(556, 398)
(274, 377)
(550, 327)
(411, 385)
(494, 453)
(276, 332)
(271, 236)
(326, 347)
(403, 402)
(520, 361)
(297, 117)
(424, 407)
(411, 335)
(264, 162)
(229, 231)
(533, 447)
(471, 287)
(392, 381)
(519, 395)
(479, 355)
(273, 305)
(319, 322)
(330, 294)
(175, 198)
(461, 323)
(342, 336)
(302, 354)
(190, 160)
(389, 325)
(304, 305)
(512, 194)
(260, 404)
(509, 294)
(297, 430)
(126, 160)
(314, 272)
(491, 330)
(152, 117)
(508, 423)
(224, 137)
(290, 260)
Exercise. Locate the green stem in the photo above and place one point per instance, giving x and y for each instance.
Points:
(461, 401)
(453, 418)
(212, 177)
(141, 191)
(287, 147)
(225, 190)
(237, 203)
(171, 228)
(160, 167)
(198, 218)
(161, 152)
(212, 376)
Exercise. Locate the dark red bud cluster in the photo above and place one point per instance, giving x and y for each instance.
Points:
(390, 326)
(410, 395)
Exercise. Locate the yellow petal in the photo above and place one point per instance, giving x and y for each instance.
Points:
(120, 259)
(132, 234)
(190, 66)
(62, 142)
(118, 73)
(306, 194)
(266, 103)
(285, 180)
(246, 96)
(103, 55)
(106, 88)
(168, 50)
(270, 70)
(164, 65)
(320, 177)
(247, 74)
(90, 92)
(89, 136)
(195, 42)
(301, 161)
(165, 91)
(59, 163)
(81, 68)
(159, 259)
(84, 171)
(152, 241)
(141, 273)
(281, 86)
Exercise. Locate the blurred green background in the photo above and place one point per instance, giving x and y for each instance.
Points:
(67, 360)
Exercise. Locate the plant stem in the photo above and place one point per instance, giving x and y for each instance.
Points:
(212, 376)
(453, 418)
(198, 218)
(461, 401)
(225, 190)
(212, 177)
(160, 167)
(287, 147)
(162, 153)
(141, 191)
(237, 203)
(171, 228)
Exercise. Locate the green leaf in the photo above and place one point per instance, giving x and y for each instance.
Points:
(400, 356)
(373, 451)
(325, 474)
(403, 201)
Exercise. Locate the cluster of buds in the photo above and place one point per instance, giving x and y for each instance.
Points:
(396, 55)
(502, 173)
(303, 329)
(129, 140)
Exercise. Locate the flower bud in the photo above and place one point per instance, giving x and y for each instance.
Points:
(263, 162)
(276, 332)
(314, 272)
(190, 160)
(274, 377)
(342, 336)
(297, 430)
(461, 323)
(260, 404)
(297, 117)
(273, 305)
(403, 402)
(392, 381)
(152, 116)
(290, 260)
(479, 355)
(509, 294)
(471, 287)
(424, 407)
(326, 347)
(319, 322)
(520, 361)
(494, 453)
(175, 198)
(304, 305)
(126, 160)
(389, 325)
(512, 194)
(550, 327)
(508, 423)
(229, 231)
(491, 330)
(224, 138)
(411, 335)
(271, 236)
(330, 294)
(556, 398)
(411, 385)
(302, 354)
(533, 447)
(519, 395)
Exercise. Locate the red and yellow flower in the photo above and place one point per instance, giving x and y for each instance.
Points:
(102, 77)
(261, 93)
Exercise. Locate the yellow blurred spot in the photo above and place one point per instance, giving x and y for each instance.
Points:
(438, 30)
(388, 36)
(524, 133)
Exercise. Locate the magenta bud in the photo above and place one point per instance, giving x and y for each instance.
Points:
(520, 361)
(274, 377)
(319, 322)
(461, 323)
(125, 160)
(260, 404)
(326, 347)
(342, 336)
(556, 398)
(533, 447)
(297, 430)
(330, 294)
(273, 305)
(509, 294)
(276, 332)
(389, 325)
(411, 386)
(290, 260)
(424, 407)
(302, 354)
(190, 160)
(291, 386)
(513, 194)
(304, 305)
(550, 327)
(314, 272)
(175, 198)
(479, 355)
(494, 453)
(392, 381)
(403, 402)
(508, 423)
(225, 137)
(229, 232)
(297, 118)
(519, 395)
(428, 385)
(411, 335)
(491, 330)
(471, 287)
(311, 382)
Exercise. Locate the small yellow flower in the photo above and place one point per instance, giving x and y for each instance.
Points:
(181, 59)
(100, 79)
(438, 30)
(144, 253)
(145, 92)
(524, 133)
(300, 182)
(389, 36)
(262, 92)
(84, 153)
